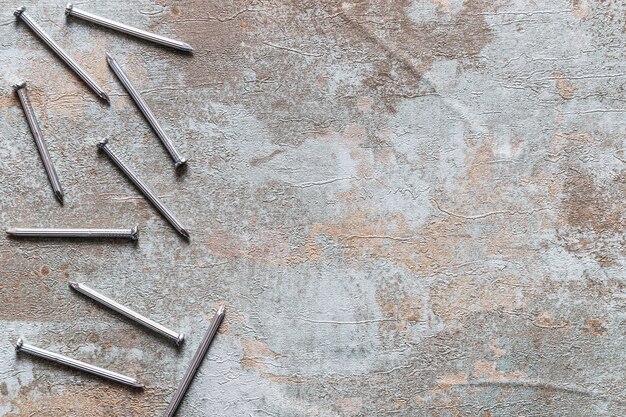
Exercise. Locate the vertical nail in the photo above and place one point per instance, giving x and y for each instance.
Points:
(22, 15)
(39, 140)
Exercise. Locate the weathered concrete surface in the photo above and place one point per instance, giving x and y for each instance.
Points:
(409, 208)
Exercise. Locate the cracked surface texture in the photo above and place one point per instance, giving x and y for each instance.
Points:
(409, 207)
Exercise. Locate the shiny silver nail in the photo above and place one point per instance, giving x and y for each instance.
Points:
(145, 110)
(70, 10)
(20, 346)
(21, 14)
(22, 94)
(131, 233)
(195, 364)
(147, 192)
(125, 311)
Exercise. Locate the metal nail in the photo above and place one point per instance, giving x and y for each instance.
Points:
(147, 192)
(21, 14)
(177, 157)
(70, 10)
(195, 364)
(131, 233)
(113, 305)
(20, 346)
(22, 94)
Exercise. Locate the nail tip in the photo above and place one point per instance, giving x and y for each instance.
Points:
(59, 195)
(185, 233)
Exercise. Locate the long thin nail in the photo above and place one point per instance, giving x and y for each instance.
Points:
(70, 10)
(22, 94)
(125, 311)
(20, 346)
(21, 14)
(147, 192)
(195, 364)
(176, 156)
(131, 233)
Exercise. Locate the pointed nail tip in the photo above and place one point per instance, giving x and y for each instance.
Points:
(59, 196)
(184, 233)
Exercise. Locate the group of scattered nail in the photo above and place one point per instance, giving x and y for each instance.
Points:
(132, 176)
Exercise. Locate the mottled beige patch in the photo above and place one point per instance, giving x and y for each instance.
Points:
(350, 406)
(484, 369)
(563, 86)
(596, 327)
(256, 354)
(580, 8)
(497, 351)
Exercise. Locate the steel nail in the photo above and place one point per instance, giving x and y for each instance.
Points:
(131, 233)
(125, 311)
(70, 10)
(195, 364)
(20, 346)
(22, 94)
(21, 14)
(147, 192)
(145, 110)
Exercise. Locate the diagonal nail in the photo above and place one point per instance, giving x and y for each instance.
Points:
(145, 110)
(147, 192)
(195, 364)
(22, 94)
(70, 10)
(22, 15)
(20, 346)
(125, 311)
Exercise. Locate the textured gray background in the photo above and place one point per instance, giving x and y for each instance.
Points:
(408, 207)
